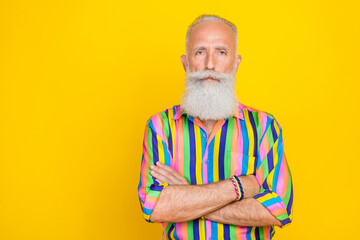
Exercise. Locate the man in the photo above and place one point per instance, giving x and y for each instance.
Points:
(192, 151)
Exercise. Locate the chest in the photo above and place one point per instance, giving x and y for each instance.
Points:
(202, 158)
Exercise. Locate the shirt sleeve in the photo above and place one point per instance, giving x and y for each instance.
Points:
(149, 189)
(273, 175)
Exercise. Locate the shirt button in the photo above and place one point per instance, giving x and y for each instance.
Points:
(207, 161)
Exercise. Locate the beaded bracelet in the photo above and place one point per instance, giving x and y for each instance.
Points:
(236, 186)
(240, 186)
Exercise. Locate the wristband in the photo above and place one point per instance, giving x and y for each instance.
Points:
(236, 186)
(240, 186)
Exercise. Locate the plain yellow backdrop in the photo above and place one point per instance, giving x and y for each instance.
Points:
(79, 79)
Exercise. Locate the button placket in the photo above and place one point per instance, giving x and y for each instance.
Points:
(205, 160)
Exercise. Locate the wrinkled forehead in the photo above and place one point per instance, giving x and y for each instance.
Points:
(212, 33)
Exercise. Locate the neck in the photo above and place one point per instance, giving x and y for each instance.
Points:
(208, 124)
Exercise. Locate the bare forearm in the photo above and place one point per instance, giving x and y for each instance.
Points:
(247, 212)
(181, 203)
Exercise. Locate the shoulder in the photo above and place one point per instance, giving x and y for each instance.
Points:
(162, 119)
(255, 112)
(165, 115)
(259, 117)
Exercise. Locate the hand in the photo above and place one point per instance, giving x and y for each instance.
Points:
(250, 185)
(251, 188)
(164, 173)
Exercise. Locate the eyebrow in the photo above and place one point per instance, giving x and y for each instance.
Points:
(217, 48)
(222, 48)
(199, 48)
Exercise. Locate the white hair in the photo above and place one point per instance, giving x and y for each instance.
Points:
(210, 99)
(208, 17)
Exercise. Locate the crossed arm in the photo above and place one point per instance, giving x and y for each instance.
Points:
(181, 201)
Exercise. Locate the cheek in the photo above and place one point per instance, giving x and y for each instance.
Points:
(227, 65)
(196, 64)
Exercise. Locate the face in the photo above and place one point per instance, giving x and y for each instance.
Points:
(211, 46)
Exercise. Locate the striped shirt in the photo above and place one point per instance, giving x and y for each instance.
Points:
(249, 143)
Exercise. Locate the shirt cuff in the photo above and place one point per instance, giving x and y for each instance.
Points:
(275, 205)
(153, 193)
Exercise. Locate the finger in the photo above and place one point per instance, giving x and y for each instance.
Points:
(159, 181)
(160, 178)
(172, 172)
(163, 177)
(166, 167)
(171, 178)
(169, 175)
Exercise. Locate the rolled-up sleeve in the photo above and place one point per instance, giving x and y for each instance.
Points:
(149, 188)
(273, 175)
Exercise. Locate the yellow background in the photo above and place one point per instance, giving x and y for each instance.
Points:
(79, 79)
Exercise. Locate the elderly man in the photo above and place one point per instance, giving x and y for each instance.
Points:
(213, 168)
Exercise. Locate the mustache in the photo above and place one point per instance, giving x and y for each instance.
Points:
(203, 74)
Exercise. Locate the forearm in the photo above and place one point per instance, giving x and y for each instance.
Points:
(180, 203)
(247, 212)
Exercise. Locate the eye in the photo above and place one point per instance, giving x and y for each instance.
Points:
(199, 52)
(222, 52)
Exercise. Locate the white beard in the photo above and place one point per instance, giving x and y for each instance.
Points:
(209, 99)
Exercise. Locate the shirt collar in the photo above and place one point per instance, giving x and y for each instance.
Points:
(238, 114)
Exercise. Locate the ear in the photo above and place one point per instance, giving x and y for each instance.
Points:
(238, 61)
(184, 61)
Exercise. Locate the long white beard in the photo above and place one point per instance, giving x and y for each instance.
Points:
(209, 99)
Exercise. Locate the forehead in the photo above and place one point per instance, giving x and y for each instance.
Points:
(212, 32)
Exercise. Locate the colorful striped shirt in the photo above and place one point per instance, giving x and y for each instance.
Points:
(251, 142)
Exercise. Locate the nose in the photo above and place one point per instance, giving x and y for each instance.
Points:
(209, 64)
